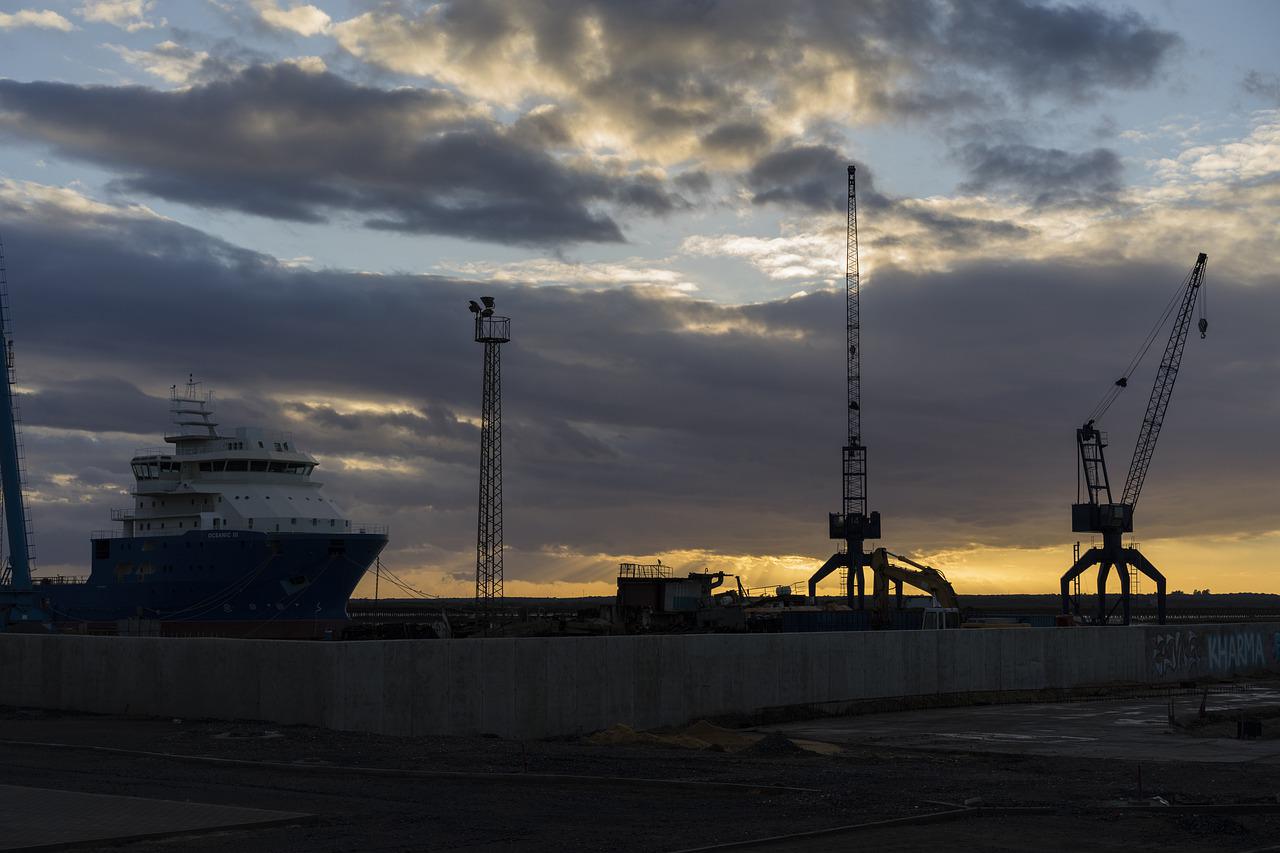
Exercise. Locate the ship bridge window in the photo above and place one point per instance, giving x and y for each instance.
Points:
(277, 467)
(237, 465)
(258, 465)
(206, 466)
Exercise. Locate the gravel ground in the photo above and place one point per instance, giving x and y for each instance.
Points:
(334, 775)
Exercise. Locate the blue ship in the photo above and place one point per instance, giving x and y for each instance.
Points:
(228, 535)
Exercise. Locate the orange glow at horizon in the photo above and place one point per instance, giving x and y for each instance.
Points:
(1221, 564)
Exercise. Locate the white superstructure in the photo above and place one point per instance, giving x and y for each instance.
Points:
(252, 479)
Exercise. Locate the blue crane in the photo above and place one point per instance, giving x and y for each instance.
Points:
(18, 606)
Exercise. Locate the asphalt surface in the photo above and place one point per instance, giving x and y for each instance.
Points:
(35, 818)
(1129, 730)
(372, 793)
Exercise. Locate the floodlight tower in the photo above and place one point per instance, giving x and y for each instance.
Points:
(492, 331)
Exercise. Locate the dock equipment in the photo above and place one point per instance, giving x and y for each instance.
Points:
(492, 331)
(854, 524)
(18, 605)
(1095, 510)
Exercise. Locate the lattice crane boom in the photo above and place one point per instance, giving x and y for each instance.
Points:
(855, 463)
(1162, 389)
(1099, 513)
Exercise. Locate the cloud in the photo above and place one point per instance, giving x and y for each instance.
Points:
(633, 272)
(636, 422)
(128, 15)
(1262, 85)
(1044, 176)
(44, 19)
(668, 80)
(284, 142)
(1255, 156)
(803, 175)
(168, 60)
(1069, 50)
(303, 19)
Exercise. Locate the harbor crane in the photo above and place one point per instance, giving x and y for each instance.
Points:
(854, 524)
(20, 608)
(1096, 510)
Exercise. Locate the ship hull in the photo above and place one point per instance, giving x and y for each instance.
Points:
(216, 583)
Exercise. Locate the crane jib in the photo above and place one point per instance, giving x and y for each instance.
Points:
(1162, 389)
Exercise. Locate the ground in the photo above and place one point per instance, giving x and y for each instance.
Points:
(1109, 774)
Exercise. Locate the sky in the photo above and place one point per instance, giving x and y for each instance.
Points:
(295, 202)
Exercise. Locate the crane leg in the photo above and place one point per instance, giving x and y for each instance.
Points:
(856, 574)
(1103, 571)
(1123, 571)
(833, 563)
(1087, 559)
(1142, 564)
(897, 594)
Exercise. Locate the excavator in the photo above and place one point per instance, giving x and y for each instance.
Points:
(922, 577)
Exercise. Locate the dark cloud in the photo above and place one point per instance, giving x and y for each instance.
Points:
(740, 137)
(696, 181)
(1262, 85)
(672, 67)
(281, 142)
(801, 176)
(1069, 50)
(631, 428)
(1044, 176)
(806, 177)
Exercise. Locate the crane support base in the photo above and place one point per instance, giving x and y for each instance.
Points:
(1112, 556)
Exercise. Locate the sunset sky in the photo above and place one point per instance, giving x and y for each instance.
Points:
(296, 202)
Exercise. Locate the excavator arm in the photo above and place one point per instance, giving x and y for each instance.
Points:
(922, 577)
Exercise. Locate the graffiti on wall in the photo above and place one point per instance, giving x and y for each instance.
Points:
(1235, 652)
(1190, 653)
(1175, 652)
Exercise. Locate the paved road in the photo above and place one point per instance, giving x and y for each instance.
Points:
(1120, 728)
(39, 818)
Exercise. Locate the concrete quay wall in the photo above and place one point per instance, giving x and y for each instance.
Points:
(530, 688)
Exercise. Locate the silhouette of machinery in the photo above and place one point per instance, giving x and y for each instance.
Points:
(855, 523)
(493, 332)
(1096, 511)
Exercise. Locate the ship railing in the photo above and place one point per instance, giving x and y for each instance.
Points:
(364, 527)
(50, 580)
(107, 534)
(122, 514)
(153, 451)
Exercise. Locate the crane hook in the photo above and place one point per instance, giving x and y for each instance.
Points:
(1204, 327)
